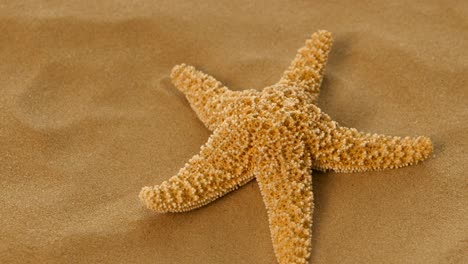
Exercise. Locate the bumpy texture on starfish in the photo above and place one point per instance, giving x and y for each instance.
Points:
(277, 136)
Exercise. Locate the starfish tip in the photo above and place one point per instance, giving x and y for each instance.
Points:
(179, 69)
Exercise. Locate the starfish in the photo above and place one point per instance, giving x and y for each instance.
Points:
(276, 136)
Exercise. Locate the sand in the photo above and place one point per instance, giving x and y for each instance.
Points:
(88, 116)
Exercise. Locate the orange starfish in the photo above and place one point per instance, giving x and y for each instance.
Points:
(276, 136)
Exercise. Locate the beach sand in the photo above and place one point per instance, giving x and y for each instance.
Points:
(88, 116)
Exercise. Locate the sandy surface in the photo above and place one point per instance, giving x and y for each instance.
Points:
(88, 116)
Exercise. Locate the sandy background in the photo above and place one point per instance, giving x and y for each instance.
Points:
(88, 116)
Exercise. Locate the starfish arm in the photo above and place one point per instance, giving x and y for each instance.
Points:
(308, 67)
(347, 150)
(222, 165)
(285, 181)
(208, 97)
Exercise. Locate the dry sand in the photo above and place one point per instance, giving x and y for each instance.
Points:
(88, 116)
